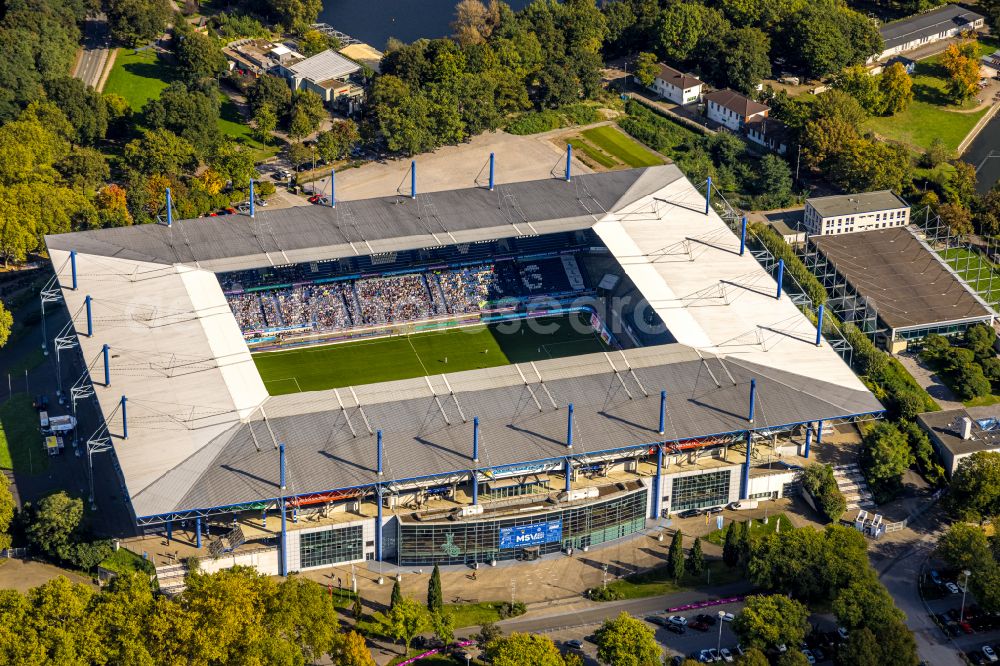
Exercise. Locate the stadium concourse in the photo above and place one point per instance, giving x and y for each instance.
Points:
(710, 370)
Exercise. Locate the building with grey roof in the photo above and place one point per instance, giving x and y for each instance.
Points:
(927, 27)
(847, 213)
(565, 451)
(958, 433)
(328, 74)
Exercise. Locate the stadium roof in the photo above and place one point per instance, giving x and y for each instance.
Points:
(909, 285)
(927, 24)
(325, 65)
(202, 430)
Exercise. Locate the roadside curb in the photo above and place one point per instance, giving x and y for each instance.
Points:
(974, 132)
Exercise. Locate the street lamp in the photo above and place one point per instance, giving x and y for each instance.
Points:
(961, 613)
(718, 645)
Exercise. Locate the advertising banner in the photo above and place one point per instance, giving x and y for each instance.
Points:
(531, 535)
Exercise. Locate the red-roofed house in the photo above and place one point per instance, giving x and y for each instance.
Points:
(676, 86)
(732, 109)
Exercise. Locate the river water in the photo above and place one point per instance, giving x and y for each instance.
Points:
(375, 21)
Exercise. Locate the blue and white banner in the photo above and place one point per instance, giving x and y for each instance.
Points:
(531, 535)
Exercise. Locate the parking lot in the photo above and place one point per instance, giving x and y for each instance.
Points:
(971, 631)
(696, 637)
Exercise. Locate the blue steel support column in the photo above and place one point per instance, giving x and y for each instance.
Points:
(170, 530)
(170, 210)
(197, 532)
(284, 518)
(753, 399)
(253, 211)
(378, 451)
(333, 188)
(569, 427)
(743, 235)
(658, 483)
(819, 433)
(107, 366)
(708, 195)
(72, 267)
(663, 412)
(819, 326)
(569, 159)
(124, 419)
(745, 486)
(90, 316)
(492, 170)
(413, 179)
(378, 524)
(809, 436)
(781, 276)
(569, 473)
(475, 487)
(475, 439)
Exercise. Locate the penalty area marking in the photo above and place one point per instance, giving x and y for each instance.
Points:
(285, 379)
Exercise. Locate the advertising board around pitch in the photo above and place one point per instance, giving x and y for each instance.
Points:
(531, 535)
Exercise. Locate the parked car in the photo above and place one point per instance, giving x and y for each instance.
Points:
(706, 618)
(574, 644)
(678, 619)
(699, 626)
(966, 627)
(657, 619)
(935, 577)
(781, 648)
(951, 587)
(714, 510)
(676, 629)
(726, 655)
(953, 614)
(842, 632)
(818, 653)
(809, 656)
(690, 513)
(990, 654)
(727, 617)
(976, 657)
(706, 657)
(715, 654)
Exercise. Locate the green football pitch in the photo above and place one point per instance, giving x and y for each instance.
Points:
(975, 269)
(404, 356)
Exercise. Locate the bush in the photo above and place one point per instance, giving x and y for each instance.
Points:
(656, 131)
(819, 482)
(603, 594)
(535, 122)
(508, 609)
(580, 114)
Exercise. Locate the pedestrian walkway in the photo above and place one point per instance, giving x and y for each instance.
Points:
(929, 380)
(853, 486)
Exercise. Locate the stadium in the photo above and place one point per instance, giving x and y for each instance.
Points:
(459, 377)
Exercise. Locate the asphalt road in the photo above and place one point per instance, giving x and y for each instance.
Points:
(95, 52)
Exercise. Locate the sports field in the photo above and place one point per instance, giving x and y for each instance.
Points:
(978, 271)
(401, 357)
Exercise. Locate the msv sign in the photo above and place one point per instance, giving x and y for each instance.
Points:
(531, 535)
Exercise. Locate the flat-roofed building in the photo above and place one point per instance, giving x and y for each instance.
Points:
(328, 74)
(928, 27)
(846, 213)
(958, 433)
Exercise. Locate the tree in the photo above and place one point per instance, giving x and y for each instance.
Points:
(357, 609)
(435, 598)
(397, 594)
(775, 181)
(135, 22)
(862, 86)
(980, 339)
(962, 65)
(84, 168)
(160, 151)
(770, 620)
(487, 632)
(818, 481)
(337, 142)
(675, 560)
(54, 521)
(864, 165)
(7, 504)
(402, 116)
(975, 487)
(313, 42)
(6, 322)
(886, 454)
(890, 646)
(265, 121)
(964, 546)
(696, 560)
(306, 114)
(198, 56)
(866, 604)
(753, 657)
(897, 89)
(957, 217)
(233, 162)
(991, 10)
(742, 540)
(191, 113)
(270, 91)
(626, 641)
(82, 107)
(296, 13)
(969, 381)
(444, 626)
(793, 658)
(646, 68)
(679, 30)
(746, 60)
(350, 650)
(519, 649)
(730, 547)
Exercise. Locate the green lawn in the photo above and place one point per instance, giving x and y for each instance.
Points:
(757, 528)
(401, 357)
(981, 274)
(591, 151)
(982, 401)
(28, 361)
(124, 561)
(20, 441)
(621, 146)
(233, 124)
(659, 581)
(930, 114)
(138, 77)
(474, 614)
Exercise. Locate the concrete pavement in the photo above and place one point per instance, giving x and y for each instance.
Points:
(93, 58)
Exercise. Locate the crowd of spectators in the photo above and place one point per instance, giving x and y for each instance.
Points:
(336, 306)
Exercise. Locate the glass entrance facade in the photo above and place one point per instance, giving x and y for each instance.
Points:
(700, 491)
(480, 541)
(317, 549)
